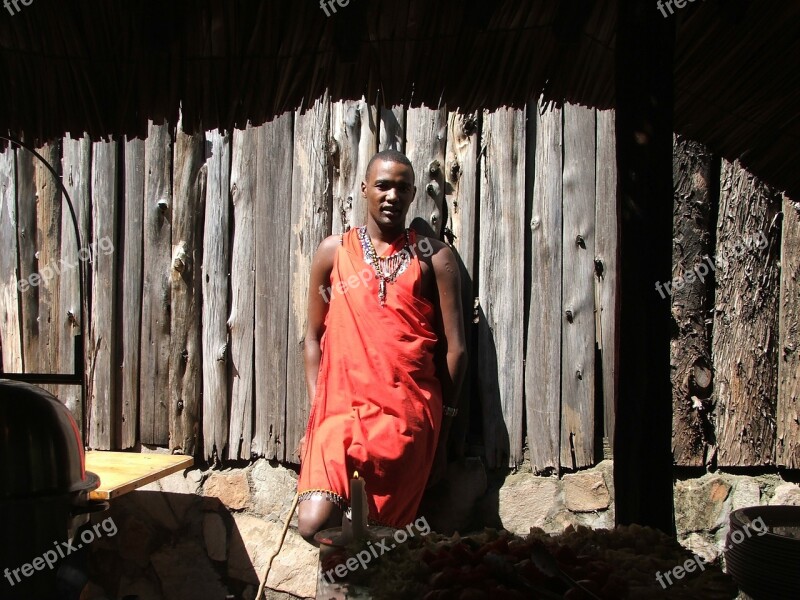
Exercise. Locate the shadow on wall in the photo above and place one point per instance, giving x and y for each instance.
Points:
(464, 500)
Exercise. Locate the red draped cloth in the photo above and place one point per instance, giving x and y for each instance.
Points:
(378, 405)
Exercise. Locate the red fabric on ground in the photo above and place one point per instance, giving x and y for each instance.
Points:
(378, 406)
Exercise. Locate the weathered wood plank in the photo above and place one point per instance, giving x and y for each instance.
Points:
(606, 254)
(353, 129)
(461, 201)
(425, 147)
(745, 338)
(11, 286)
(77, 170)
(578, 322)
(392, 129)
(130, 321)
(788, 421)
(543, 360)
(155, 344)
(273, 234)
(185, 354)
(216, 265)
(311, 223)
(28, 264)
(102, 394)
(692, 279)
(241, 321)
(48, 249)
(501, 276)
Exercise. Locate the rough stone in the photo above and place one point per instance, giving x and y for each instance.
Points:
(699, 545)
(586, 492)
(746, 492)
(787, 494)
(195, 476)
(526, 501)
(186, 573)
(253, 540)
(701, 504)
(230, 487)
(157, 507)
(274, 488)
(216, 536)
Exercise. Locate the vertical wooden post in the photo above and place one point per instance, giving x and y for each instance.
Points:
(500, 272)
(10, 288)
(690, 351)
(746, 319)
(102, 396)
(788, 415)
(154, 359)
(273, 236)
(216, 279)
(186, 352)
(28, 264)
(241, 321)
(311, 223)
(644, 96)
(130, 317)
(543, 360)
(393, 129)
(425, 146)
(577, 289)
(606, 267)
(77, 169)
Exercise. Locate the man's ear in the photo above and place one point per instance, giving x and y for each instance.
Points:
(364, 189)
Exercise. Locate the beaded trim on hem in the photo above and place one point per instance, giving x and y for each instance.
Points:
(328, 495)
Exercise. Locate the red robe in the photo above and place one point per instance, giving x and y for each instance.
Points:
(378, 403)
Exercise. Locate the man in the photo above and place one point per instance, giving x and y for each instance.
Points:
(385, 357)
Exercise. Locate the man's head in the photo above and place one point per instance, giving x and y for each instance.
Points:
(389, 188)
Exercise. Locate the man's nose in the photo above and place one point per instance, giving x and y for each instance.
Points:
(391, 194)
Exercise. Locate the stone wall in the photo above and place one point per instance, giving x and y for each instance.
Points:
(208, 534)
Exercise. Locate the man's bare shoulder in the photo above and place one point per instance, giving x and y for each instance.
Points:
(327, 249)
(440, 254)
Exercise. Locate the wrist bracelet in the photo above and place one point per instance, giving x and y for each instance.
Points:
(450, 411)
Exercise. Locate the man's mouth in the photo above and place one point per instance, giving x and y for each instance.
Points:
(390, 212)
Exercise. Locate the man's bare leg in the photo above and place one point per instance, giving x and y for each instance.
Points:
(315, 514)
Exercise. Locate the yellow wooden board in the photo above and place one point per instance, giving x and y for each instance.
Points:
(123, 472)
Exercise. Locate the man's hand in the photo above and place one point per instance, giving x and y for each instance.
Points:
(301, 448)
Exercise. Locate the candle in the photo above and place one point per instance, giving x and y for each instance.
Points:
(358, 507)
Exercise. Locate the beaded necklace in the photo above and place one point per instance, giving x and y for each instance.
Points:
(387, 268)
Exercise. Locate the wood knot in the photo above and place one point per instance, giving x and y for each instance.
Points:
(433, 189)
(435, 168)
(570, 316)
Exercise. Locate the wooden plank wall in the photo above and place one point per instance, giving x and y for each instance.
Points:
(198, 315)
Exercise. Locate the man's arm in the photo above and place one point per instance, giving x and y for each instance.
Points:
(452, 344)
(318, 298)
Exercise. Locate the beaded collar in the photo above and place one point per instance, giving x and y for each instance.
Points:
(387, 268)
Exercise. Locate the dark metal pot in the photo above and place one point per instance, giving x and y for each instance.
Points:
(44, 486)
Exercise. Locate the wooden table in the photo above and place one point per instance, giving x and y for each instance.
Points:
(123, 472)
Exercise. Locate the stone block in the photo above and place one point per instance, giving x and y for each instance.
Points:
(746, 492)
(586, 492)
(215, 535)
(786, 494)
(231, 487)
(527, 500)
(294, 570)
(701, 504)
(274, 488)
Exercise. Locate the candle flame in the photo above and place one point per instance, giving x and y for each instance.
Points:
(355, 474)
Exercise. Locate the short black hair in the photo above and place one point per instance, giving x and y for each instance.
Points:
(389, 156)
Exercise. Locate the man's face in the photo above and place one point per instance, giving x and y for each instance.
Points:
(389, 190)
